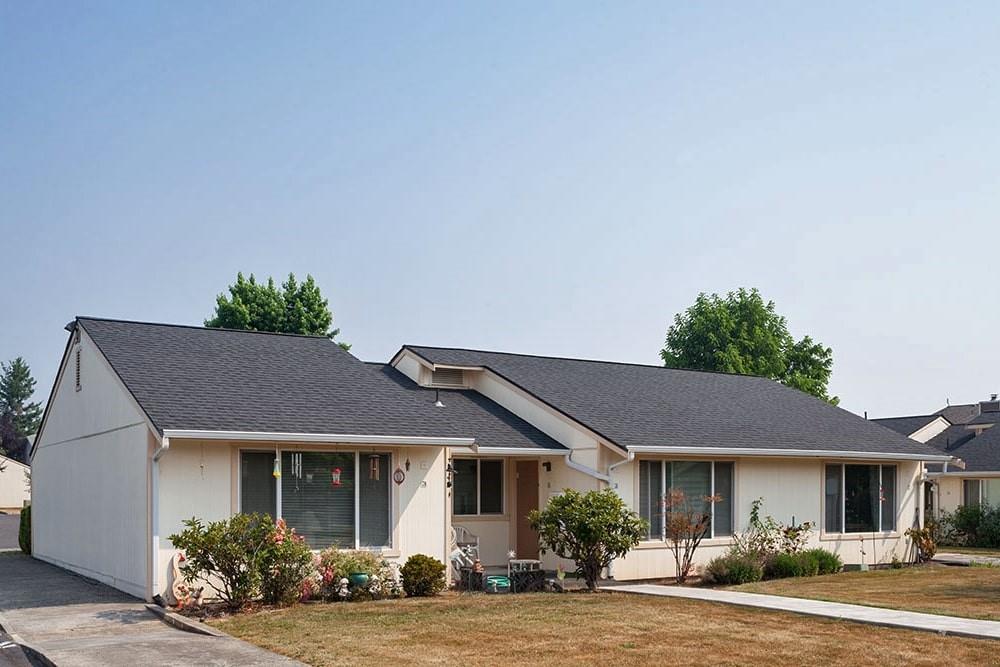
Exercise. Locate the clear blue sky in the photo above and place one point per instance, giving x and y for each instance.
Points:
(545, 178)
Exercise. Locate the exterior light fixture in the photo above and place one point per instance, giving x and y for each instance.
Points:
(437, 399)
(276, 472)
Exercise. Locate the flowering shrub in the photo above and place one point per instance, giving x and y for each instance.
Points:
(335, 567)
(286, 564)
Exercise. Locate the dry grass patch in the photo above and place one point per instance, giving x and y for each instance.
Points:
(550, 629)
(973, 592)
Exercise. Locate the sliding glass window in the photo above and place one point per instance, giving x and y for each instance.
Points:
(699, 480)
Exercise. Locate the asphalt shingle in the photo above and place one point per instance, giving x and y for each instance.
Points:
(906, 425)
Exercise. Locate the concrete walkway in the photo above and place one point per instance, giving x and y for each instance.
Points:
(75, 622)
(955, 558)
(909, 620)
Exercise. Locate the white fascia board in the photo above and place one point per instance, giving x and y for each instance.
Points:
(333, 438)
(788, 453)
(968, 474)
(520, 451)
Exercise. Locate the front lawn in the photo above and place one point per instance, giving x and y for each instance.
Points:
(973, 592)
(583, 628)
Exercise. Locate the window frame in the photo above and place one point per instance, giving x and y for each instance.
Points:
(662, 538)
(842, 465)
(479, 487)
(357, 453)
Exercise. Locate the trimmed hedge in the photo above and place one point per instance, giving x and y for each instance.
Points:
(24, 531)
(423, 576)
(802, 564)
(828, 562)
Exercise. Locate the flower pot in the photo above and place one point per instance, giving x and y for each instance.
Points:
(358, 579)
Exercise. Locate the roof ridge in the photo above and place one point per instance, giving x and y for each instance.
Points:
(589, 361)
(201, 328)
(933, 414)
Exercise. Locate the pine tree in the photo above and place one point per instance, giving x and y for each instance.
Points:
(19, 417)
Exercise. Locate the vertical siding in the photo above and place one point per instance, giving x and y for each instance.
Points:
(89, 496)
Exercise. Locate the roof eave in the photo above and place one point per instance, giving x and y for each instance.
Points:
(788, 453)
(325, 438)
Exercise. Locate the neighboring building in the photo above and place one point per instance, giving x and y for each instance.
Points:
(149, 424)
(965, 432)
(13, 484)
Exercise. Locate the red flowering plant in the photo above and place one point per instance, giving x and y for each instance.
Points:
(287, 567)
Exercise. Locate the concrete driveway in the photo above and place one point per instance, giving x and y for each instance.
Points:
(75, 622)
(9, 525)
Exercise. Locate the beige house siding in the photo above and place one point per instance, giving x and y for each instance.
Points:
(13, 484)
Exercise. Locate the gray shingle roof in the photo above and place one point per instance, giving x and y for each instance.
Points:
(959, 414)
(985, 418)
(980, 453)
(492, 424)
(906, 425)
(634, 405)
(214, 379)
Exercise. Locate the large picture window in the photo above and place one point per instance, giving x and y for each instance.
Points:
(859, 498)
(339, 499)
(981, 492)
(698, 480)
(477, 487)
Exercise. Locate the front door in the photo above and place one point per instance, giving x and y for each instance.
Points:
(527, 500)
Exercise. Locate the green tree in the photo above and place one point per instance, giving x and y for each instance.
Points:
(297, 308)
(591, 529)
(19, 416)
(741, 333)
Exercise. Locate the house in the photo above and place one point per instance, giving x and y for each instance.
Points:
(150, 424)
(965, 432)
(13, 484)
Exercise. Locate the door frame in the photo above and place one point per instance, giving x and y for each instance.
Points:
(522, 505)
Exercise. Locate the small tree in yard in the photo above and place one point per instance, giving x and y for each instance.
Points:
(591, 529)
(686, 527)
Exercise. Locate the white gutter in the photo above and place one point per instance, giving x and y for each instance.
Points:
(345, 438)
(791, 453)
(520, 451)
(154, 522)
(579, 467)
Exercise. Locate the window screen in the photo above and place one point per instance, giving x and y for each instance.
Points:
(491, 487)
(888, 498)
(257, 483)
(650, 495)
(464, 486)
(834, 501)
(723, 516)
(970, 491)
(374, 494)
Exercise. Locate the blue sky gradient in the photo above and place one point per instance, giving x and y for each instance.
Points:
(554, 179)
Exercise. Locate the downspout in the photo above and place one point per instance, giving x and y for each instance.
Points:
(154, 527)
(587, 470)
(611, 468)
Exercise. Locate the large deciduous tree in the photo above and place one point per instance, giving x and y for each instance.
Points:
(19, 416)
(297, 308)
(741, 333)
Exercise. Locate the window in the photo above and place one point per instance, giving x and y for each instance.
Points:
(337, 499)
(477, 487)
(698, 480)
(859, 498)
(981, 492)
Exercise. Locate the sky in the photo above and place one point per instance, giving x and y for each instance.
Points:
(549, 178)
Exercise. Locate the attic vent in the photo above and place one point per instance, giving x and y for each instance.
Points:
(448, 377)
(77, 357)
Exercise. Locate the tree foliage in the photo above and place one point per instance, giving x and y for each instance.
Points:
(590, 529)
(19, 416)
(297, 308)
(741, 333)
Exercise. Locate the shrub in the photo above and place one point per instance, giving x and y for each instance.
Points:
(24, 531)
(423, 576)
(686, 527)
(765, 536)
(591, 529)
(924, 540)
(228, 555)
(286, 563)
(827, 562)
(335, 565)
(801, 564)
(974, 526)
(733, 569)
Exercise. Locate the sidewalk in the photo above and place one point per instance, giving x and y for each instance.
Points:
(955, 558)
(75, 622)
(909, 620)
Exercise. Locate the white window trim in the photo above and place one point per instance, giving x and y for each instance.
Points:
(663, 485)
(357, 489)
(843, 500)
(479, 488)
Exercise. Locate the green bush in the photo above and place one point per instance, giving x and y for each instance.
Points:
(733, 569)
(827, 562)
(286, 563)
(973, 526)
(336, 565)
(591, 529)
(228, 555)
(423, 576)
(801, 564)
(24, 531)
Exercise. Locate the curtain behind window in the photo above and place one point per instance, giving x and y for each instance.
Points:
(650, 495)
(257, 483)
(317, 497)
(463, 496)
(373, 505)
(724, 507)
(888, 499)
(970, 492)
(694, 478)
(861, 504)
(834, 502)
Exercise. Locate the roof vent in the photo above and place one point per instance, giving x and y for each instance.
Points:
(448, 377)
(992, 405)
